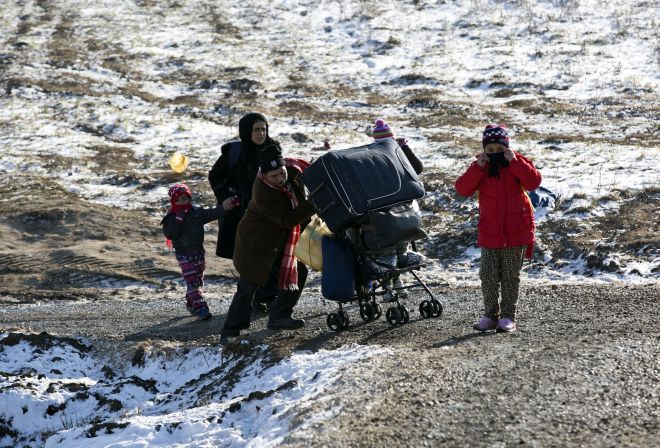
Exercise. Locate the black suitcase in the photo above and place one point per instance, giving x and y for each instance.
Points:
(346, 184)
(391, 226)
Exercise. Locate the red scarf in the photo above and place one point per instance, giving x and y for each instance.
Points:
(175, 208)
(289, 268)
(176, 191)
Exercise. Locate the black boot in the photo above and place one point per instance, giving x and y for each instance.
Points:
(280, 313)
(285, 323)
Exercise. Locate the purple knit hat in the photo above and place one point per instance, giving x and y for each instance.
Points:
(495, 134)
(381, 130)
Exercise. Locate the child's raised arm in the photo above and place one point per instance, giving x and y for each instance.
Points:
(468, 183)
(527, 174)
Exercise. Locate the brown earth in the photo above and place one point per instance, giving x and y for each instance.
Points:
(582, 370)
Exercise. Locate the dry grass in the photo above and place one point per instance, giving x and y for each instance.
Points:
(633, 229)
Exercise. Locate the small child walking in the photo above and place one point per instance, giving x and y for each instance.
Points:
(184, 226)
(506, 223)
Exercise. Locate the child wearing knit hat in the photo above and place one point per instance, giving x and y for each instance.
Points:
(184, 226)
(506, 223)
(380, 131)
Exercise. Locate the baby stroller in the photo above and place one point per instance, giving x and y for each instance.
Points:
(364, 256)
(365, 195)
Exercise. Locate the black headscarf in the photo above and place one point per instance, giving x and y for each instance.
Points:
(250, 151)
(245, 125)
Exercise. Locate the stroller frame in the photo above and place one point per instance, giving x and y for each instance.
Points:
(366, 296)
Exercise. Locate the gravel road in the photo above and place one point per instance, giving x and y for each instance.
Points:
(582, 370)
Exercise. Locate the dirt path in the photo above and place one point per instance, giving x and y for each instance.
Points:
(581, 371)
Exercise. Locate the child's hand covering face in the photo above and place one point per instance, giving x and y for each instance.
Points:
(482, 159)
(509, 155)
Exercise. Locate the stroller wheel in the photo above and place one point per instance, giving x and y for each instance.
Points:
(437, 308)
(405, 315)
(426, 309)
(367, 312)
(334, 322)
(393, 316)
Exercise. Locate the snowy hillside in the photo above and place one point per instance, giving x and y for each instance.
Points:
(95, 96)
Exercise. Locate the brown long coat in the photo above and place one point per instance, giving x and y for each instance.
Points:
(264, 229)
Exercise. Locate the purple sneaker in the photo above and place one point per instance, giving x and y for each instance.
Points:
(203, 313)
(200, 308)
(505, 325)
(485, 324)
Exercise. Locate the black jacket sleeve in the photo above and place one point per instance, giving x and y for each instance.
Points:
(172, 226)
(413, 159)
(211, 214)
(219, 174)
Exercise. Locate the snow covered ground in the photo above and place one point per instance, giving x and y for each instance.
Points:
(161, 399)
(576, 80)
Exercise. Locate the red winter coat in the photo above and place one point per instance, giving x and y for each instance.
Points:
(506, 216)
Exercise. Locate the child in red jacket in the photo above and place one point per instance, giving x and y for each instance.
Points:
(506, 223)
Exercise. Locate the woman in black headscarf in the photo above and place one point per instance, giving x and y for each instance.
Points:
(233, 174)
(232, 177)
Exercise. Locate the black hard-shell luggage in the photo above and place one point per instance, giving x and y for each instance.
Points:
(345, 184)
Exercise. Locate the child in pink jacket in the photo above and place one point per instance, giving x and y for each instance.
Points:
(506, 223)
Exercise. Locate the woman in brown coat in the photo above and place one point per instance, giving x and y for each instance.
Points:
(265, 238)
